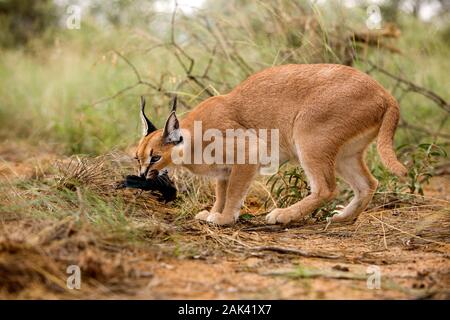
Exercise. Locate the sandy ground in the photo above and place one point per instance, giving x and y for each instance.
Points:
(408, 248)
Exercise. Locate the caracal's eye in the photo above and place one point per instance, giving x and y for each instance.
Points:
(154, 159)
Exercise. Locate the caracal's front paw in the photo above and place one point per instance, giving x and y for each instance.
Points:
(342, 217)
(279, 216)
(220, 219)
(202, 215)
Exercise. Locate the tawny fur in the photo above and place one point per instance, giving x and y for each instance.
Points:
(326, 114)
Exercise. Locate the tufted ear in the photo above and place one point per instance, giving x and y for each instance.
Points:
(172, 132)
(147, 125)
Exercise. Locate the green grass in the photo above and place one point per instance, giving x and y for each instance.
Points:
(53, 100)
(109, 216)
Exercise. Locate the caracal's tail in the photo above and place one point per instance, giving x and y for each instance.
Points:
(386, 136)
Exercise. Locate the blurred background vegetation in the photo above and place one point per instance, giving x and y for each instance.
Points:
(78, 88)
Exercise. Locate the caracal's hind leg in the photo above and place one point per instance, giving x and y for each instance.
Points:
(221, 194)
(354, 171)
(318, 164)
(239, 182)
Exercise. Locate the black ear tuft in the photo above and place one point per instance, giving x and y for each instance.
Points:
(174, 104)
(147, 125)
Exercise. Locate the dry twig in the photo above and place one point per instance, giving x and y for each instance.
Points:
(297, 252)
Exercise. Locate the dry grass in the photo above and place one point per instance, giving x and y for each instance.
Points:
(124, 240)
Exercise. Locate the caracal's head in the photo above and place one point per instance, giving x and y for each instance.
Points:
(154, 151)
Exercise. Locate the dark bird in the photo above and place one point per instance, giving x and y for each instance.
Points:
(157, 181)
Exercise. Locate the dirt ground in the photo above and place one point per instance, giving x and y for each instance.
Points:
(409, 246)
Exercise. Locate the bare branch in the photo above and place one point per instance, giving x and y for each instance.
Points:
(226, 46)
(208, 66)
(179, 50)
(408, 125)
(115, 95)
(139, 81)
(138, 76)
(415, 88)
